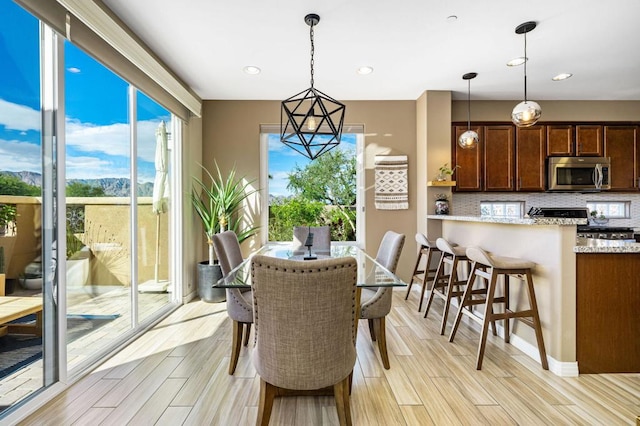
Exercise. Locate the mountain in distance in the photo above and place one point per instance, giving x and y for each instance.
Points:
(113, 187)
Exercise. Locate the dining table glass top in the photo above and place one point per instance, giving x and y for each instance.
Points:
(370, 272)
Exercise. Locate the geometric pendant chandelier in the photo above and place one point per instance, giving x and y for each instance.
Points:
(311, 121)
(468, 139)
(526, 113)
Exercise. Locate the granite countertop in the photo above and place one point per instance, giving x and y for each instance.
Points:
(512, 220)
(590, 245)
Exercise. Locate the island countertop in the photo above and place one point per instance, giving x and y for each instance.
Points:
(562, 221)
(591, 245)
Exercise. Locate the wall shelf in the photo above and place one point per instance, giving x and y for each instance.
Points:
(441, 183)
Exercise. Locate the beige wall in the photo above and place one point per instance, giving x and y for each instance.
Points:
(551, 110)
(231, 135)
(434, 149)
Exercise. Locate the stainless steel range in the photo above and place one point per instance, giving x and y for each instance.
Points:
(585, 231)
(605, 232)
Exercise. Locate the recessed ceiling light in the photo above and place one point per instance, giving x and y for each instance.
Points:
(250, 69)
(517, 61)
(364, 70)
(562, 76)
(452, 18)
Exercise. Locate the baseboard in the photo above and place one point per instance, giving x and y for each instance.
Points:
(186, 298)
(559, 368)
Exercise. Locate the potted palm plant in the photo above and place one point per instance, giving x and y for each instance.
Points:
(218, 202)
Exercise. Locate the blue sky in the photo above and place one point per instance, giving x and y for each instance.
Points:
(97, 129)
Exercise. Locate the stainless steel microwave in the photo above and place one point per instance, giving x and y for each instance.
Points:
(582, 174)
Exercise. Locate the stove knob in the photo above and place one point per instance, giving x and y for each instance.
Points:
(602, 236)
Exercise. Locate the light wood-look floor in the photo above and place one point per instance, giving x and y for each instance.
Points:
(177, 374)
(29, 379)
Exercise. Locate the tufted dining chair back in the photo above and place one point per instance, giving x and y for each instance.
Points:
(321, 239)
(305, 327)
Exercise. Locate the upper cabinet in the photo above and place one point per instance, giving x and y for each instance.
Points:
(621, 145)
(560, 140)
(490, 165)
(589, 140)
(498, 158)
(530, 158)
(567, 140)
(468, 175)
(514, 159)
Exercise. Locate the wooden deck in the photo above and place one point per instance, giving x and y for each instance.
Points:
(29, 379)
(177, 374)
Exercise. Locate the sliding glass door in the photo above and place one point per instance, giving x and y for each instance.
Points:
(85, 167)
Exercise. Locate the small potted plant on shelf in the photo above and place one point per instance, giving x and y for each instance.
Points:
(445, 171)
(442, 203)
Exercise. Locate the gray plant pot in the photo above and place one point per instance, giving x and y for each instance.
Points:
(207, 276)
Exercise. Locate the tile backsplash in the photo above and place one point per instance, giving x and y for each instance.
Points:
(468, 204)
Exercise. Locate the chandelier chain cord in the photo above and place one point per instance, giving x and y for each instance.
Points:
(312, 52)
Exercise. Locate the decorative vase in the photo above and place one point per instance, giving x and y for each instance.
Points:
(442, 207)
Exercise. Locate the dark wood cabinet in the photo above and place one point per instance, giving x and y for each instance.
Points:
(469, 175)
(607, 300)
(530, 158)
(621, 145)
(560, 140)
(508, 158)
(568, 140)
(499, 158)
(589, 140)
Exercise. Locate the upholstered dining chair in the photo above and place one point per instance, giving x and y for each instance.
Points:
(376, 302)
(239, 304)
(305, 328)
(321, 239)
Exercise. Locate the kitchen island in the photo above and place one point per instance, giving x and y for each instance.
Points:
(551, 243)
(608, 299)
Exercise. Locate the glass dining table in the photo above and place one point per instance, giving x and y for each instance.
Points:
(370, 272)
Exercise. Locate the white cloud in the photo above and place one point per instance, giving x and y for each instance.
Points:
(19, 117)
(112, 139)
(16, 156)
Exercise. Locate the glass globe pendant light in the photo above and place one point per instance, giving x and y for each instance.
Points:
(468, 139)
(527, 112)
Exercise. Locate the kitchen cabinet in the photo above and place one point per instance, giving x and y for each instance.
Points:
(530, 158)
(589, 140)
(560, 140)
(499, 158)
(469, 174)
(607, 300)
(568, 140)
(514, 159)
(621, 145)
(490, 165)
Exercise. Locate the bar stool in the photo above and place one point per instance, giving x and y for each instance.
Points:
(428, 249)
(445, 286)
(488, 267)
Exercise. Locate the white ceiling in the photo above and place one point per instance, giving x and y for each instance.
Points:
(410, 44)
